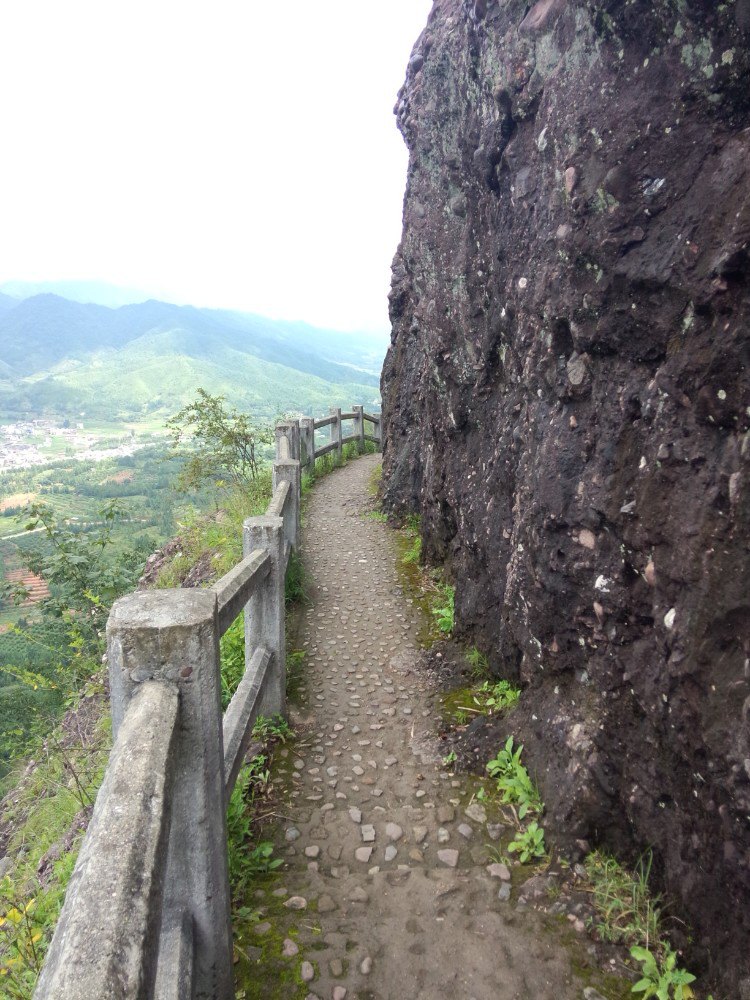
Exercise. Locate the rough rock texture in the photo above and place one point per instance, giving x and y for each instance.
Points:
(567, 403)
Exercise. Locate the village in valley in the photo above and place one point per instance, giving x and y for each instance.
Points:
(28, 443)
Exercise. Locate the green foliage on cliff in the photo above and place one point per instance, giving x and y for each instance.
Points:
(225, 446)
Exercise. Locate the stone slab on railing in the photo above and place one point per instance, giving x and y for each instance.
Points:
(233, 590)
(115, 892)
(174, 980)
(242, 712)
(264, 616)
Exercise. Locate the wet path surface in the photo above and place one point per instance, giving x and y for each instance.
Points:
(389, 891)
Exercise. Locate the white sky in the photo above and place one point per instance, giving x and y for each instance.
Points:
(234, 153)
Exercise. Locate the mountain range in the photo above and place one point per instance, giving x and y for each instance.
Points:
(62, 357)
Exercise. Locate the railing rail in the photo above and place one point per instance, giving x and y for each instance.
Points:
(147, 911)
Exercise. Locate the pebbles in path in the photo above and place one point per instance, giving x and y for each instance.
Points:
(449, 857)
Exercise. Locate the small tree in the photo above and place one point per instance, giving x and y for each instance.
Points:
(224, 443)
(84, 574)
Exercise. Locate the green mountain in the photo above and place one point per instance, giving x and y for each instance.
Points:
(61, 358)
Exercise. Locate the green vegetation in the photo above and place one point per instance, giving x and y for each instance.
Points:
(232, 648)
(487, 698)
(47, 815)
(528, 843)
(225, 444)
(480, 667)
(149, 359)
(628, 912)
(662, 980)
(248, 856)
(513, 781)
(215, 540)
(46, 660)
(412, 531)
(444, 608)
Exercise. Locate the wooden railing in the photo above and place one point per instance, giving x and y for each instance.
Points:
(147, 911)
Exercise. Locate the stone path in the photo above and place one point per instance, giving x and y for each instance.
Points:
(388, 893)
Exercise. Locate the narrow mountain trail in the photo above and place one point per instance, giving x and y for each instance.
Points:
(389, 892)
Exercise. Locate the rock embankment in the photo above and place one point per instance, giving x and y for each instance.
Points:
(567, 403)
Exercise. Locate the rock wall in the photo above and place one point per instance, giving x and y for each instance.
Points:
(567, 403)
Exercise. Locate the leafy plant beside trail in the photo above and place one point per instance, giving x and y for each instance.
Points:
(485, 699)
(513, 781)
(665, 980)
(250, 856)
(528, 843)
(444, 608)
(629, 913)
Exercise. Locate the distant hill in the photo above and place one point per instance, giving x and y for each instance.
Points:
(6, 302)
(97, 292)
(63, 357)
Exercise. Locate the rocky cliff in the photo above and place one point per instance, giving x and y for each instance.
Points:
(567, 403)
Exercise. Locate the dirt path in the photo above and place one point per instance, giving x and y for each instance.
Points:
(388, 894)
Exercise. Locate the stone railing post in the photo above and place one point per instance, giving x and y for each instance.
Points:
(289, 431)
(288, 471)
(307, 441)
(264, 614)
(172, 635)
(337, 434)
(359, 427)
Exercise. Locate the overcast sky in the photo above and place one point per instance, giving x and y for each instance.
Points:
(237, 153)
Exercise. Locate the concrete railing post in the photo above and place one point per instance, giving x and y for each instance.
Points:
(172, 635)
(307, 441)
(287, 471)
(264, 614)
(289, 431)
(359, 427)
(337, 434)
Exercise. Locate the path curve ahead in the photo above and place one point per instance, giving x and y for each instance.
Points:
(387, 851)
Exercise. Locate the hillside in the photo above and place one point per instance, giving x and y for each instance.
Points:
(62, 357)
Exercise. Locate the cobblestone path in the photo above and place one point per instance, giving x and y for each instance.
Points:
(389, 892)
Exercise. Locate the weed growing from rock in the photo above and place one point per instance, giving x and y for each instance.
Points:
(513, 781)
(629, 914)
(444, 609)
(528, 843)
(662, 980)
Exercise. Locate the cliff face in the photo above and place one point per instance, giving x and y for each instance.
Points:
(567, 403)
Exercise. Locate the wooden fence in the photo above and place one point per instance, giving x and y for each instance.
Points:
(147, 910)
